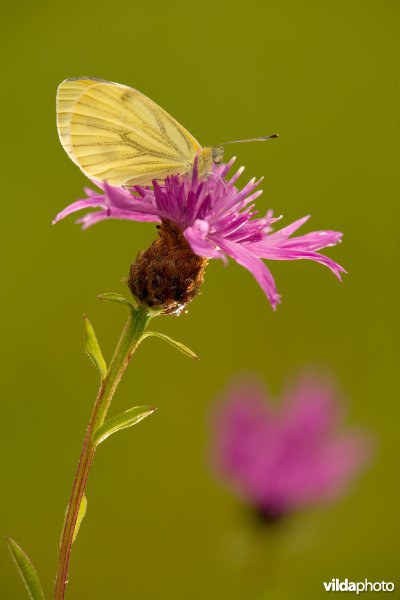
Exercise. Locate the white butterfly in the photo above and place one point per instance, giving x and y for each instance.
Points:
(115, 133)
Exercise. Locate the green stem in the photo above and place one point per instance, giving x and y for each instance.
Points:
(130, 339)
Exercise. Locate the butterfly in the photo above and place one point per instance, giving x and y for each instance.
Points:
(116, 134)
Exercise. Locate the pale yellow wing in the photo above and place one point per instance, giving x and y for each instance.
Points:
(116, 134)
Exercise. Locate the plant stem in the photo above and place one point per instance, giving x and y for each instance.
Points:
(130, 339)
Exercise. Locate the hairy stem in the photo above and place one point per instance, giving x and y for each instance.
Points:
(130, 339)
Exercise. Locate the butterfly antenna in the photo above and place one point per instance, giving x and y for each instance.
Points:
(257, 139)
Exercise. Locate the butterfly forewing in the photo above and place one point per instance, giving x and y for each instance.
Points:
(115, 133)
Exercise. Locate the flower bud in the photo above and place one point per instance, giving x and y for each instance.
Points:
(168, 275)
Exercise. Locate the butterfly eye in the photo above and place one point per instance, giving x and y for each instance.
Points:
(217, 154)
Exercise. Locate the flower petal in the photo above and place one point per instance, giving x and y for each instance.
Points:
(113, 213)
(95, 201)
(316, 240)
(288, 254)
(197, 238)
(277, 237)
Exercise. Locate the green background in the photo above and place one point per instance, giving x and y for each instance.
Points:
(322, 74)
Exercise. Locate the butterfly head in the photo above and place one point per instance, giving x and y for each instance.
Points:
(217, 154)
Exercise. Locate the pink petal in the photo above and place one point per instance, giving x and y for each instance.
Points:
(315, 240)
(95, 201)
(287, 254)
(197, 238)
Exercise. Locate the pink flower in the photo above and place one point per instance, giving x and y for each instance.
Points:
(281, 459)
(216, 218)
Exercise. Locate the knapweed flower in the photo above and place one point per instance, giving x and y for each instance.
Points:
(280, 459)
(206, 218)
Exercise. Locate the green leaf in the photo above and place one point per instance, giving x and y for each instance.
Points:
(26, 570)
(111, 297)
(181, 347)
(123, 421)
(81, 514)
(92, 348)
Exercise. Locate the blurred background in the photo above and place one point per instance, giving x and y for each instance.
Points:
(322, 74)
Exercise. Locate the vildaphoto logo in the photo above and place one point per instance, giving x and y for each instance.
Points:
(335, 585)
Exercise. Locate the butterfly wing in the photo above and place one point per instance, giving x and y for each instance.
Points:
(115, 133)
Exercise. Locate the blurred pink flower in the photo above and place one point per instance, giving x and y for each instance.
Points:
(216, 218)
(281, 459)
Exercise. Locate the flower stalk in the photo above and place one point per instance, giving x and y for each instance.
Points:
(131, 337)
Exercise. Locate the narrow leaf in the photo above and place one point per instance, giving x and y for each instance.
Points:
(181, 347)
(81, 514)
(123, 421)
(111, 297)
(26, 570)
(92, 348)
